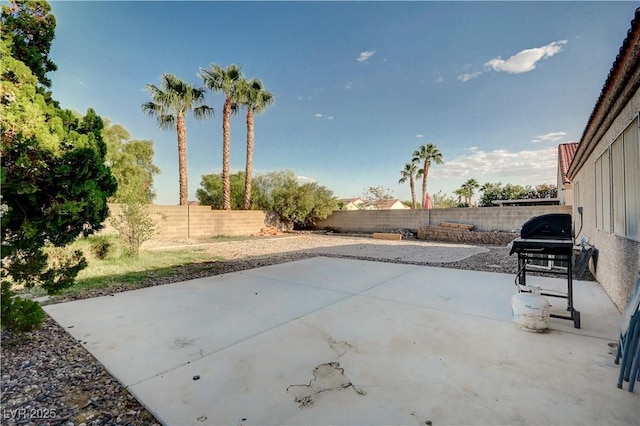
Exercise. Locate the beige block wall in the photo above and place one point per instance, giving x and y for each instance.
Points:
(198, 221)
(483, 218)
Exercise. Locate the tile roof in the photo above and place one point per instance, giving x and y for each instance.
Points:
(566, 151)
(620, 86)
(350, 200)
(387, 204)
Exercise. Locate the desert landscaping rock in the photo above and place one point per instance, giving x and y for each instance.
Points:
(50, 379)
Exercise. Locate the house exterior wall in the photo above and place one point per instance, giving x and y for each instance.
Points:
(618, 258)
(565, 190)
(398, 206)
(565, 194)
(351, 203)
(350, 206)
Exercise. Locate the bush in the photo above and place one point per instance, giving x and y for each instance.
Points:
(301, 206)
(211, 192)
(100, 246)
(64, 265)
(17, 314)
(134, 226)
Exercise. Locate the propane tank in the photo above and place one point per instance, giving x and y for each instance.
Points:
(531, 310)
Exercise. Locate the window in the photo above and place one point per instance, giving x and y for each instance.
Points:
(603, 193)
(632, 180)
(617, 185)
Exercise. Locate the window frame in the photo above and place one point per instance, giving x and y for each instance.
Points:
(615, 209)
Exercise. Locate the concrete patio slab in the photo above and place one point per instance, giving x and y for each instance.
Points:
(343, 275)
(335, 341)
(148, 331)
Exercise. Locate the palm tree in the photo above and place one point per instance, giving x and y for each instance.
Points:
(468, 189)
(256, 99)
(460, 193)
(410, 172)
(227, 81)
(169, 104)
(427, 154)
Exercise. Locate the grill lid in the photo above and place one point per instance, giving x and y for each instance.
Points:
(547, 226)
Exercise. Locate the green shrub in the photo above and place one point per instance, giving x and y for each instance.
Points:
(100, 246)
(64, 264)
(18, 315)
(301, 206)
(134, 225)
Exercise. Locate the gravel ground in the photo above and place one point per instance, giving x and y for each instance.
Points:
(48, 378)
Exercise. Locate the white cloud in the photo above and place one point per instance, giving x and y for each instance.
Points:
(319, 115)
(525, 60)
(349, 85)
(522, 168)
(364, 56)
(305, 179)
(419, 136)
(549, 137)
(440, 79)
(468, 76)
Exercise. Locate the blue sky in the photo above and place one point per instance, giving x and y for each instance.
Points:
(358, 85)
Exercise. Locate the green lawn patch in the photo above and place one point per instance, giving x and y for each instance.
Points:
(149, 265)
(108, 268)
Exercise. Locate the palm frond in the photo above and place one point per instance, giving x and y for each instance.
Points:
(151, 109)
(152, 89)
(203, 111)
(174, 97)
(252, 95)
(219, 79)
(166, 121)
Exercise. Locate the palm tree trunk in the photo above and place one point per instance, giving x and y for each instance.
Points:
(181, 130)
(412, 185)
(249, 168)
(226, 153)
(425, 172)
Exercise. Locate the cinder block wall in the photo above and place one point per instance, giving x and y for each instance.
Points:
(483, 218)
(201, 221)
(198, 221)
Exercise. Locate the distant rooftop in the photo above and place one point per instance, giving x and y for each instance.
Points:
(566, 151)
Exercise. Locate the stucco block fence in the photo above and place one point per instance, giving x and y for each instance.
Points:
(465, 236)
(491, 225)
(193, 222)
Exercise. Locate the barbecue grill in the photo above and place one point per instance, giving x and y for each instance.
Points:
(547, 237)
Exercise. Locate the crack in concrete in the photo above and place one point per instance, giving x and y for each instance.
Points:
(326, 377)
(182, 342)
(340, 347)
